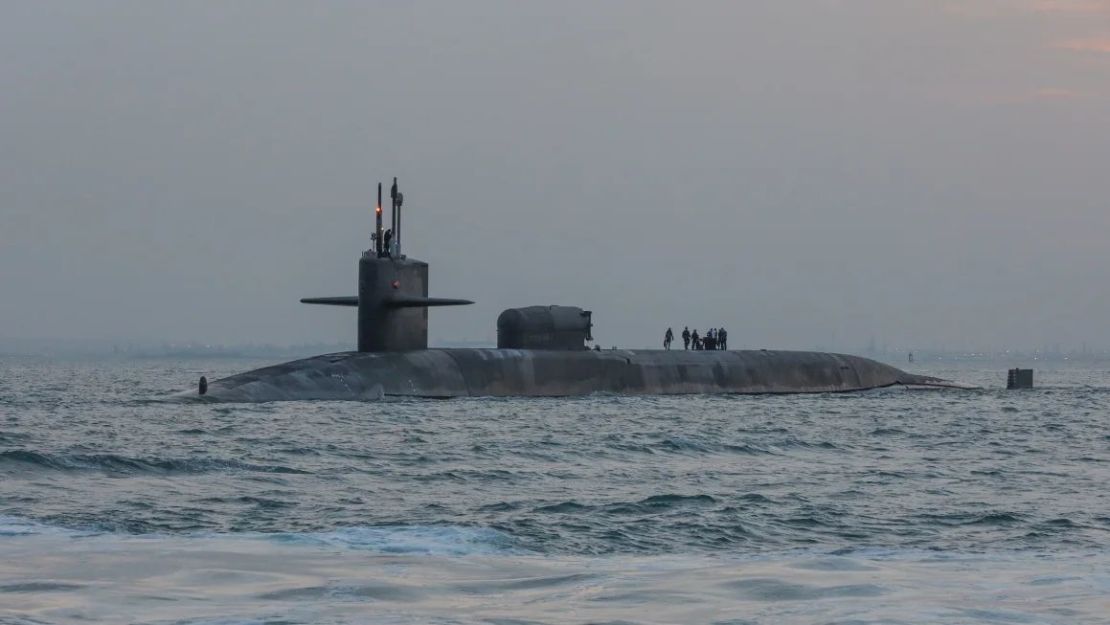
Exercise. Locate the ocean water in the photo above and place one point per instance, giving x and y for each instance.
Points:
(890, 506)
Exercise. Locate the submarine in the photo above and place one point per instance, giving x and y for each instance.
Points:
(541, 352)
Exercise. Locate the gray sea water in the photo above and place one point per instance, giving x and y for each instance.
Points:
(890, 506)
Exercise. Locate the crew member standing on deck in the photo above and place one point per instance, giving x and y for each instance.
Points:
(722, 338)
(695, 340)
(667, 338)
(686, 337)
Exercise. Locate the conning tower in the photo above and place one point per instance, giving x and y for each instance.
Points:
(392, 295)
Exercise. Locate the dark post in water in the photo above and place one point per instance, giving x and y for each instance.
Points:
(1019, 378)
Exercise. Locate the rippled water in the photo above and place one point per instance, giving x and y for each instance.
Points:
(891, 506)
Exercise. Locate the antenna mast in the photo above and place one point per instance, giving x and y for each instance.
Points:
(397, 198)
(378, 223)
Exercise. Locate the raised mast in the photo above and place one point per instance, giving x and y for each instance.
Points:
(397, 199)
(378, 224)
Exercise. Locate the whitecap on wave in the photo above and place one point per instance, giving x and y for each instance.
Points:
(437, 540)
(15, 526)
(450, 540)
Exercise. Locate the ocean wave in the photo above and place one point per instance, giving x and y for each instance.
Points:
(691, 447)
(681, 446)
(440, 540)
(443, 540)
(112, 463)
(11, 526)
(648, 505)
(239, 584)
(770, 589)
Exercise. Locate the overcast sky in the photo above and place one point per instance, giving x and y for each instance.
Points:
(805, 173)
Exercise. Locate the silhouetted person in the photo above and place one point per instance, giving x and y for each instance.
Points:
(696, 341)
(668, 338)
(722, 338)
(388, 237)
(686, 337)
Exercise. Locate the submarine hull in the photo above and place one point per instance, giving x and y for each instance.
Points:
(445, 373)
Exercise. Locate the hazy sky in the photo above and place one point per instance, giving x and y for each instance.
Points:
(805, 173)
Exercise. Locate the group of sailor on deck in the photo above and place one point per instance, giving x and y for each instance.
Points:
(714, 339)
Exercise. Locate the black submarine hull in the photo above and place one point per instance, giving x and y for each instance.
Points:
(446, 373)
